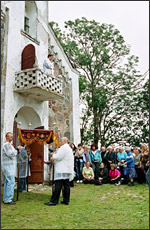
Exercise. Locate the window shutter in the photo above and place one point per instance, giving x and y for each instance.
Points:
(28, 57)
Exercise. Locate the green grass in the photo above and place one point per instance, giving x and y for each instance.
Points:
(91, 207)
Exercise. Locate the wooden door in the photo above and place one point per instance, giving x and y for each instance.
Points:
(37, 163)
(28, 57)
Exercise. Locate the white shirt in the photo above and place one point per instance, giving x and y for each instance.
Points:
(64, 163)
(9, 160)
(47, 66)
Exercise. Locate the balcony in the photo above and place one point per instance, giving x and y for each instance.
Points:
(39, 85)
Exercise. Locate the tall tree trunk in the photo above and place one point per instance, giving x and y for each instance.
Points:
(82, 134)
(95, 119)
(96, 135)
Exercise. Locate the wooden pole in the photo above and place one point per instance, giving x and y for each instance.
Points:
(18, 155)
(53, 182)
(28, 173)
(54, 148)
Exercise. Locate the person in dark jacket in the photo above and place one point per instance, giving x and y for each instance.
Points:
(103, 154)
(110, 157)
(103, 174)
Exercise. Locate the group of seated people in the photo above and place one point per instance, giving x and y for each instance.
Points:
(114, 166)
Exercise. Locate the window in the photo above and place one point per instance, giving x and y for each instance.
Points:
(30, 20)
(26, 24)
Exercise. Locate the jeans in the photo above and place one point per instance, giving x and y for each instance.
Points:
(96, 169)
(22, 184)
(147, 177)
(9, 186)
(79, 168)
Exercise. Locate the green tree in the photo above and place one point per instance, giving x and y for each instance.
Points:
(107, 81)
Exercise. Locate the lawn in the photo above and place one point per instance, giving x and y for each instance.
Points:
(91, 207)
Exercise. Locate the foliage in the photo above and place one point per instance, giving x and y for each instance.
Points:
(91, 207)
(109, 82)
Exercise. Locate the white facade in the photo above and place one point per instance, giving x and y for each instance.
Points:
(30, 110)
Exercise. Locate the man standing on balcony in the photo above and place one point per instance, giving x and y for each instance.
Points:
(48, 65)
(64, 172)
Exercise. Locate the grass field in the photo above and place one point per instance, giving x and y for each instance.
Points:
(91, 207)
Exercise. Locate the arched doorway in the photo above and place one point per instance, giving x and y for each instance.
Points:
(27, 115)
(28, 57)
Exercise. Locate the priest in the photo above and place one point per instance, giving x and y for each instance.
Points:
(64, 172)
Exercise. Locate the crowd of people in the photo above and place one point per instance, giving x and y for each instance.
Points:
(91, 166)
(111, 165)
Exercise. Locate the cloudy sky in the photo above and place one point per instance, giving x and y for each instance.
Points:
(130, 17)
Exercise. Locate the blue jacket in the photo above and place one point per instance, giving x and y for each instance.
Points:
(130, 160)
(96, 157)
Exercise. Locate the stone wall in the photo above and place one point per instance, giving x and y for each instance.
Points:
(4, 39)
(60, 112)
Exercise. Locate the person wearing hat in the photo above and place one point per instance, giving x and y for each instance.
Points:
(130, 166)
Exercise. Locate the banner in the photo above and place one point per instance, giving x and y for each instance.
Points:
(41, 136)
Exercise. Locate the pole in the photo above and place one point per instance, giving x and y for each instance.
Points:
(18, 175)
(50, 167)
(53, 182)
(54, 148)
(18, 156)
(28, 173)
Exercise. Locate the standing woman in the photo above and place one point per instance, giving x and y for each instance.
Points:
(145, 154)
(86, 153)
(95, 160)
(121, 158)
(80, 159)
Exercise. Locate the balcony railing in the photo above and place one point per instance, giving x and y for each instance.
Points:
(38, 84)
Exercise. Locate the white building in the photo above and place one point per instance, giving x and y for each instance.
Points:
(28, 95)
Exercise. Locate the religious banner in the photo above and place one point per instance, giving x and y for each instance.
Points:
(41, 136)
(57, 140)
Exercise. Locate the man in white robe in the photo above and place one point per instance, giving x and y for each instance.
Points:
(64, 172)
(9, 166)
